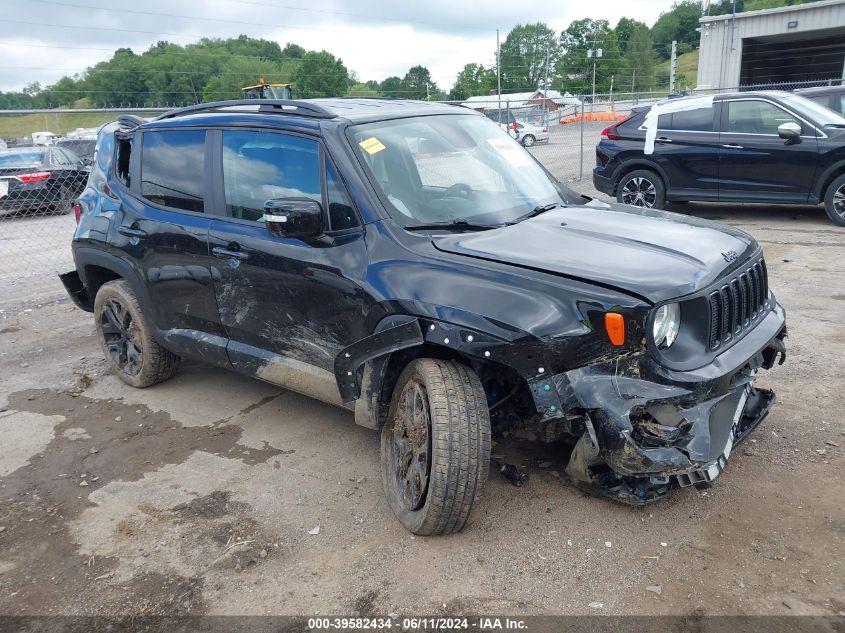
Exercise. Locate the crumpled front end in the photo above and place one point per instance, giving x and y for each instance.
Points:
(647, 429)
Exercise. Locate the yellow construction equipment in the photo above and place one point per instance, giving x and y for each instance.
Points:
(268, 91)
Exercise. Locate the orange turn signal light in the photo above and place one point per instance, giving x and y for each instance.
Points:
(614, 323)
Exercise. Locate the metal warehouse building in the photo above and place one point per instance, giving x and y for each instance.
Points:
(788, 44)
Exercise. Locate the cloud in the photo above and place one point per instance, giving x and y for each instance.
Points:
(375, 38)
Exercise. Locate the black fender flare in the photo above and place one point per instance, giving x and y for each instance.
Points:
(393, 333)
(85, 257)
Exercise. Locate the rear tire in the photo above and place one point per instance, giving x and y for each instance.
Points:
(528, 140)
(642, 188)
(435, 446)
(126, 338)
(834, 201)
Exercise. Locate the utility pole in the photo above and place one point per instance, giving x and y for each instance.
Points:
(633, 84)
(673, 62)
(498, 77)
(594, 53)
(546, 78)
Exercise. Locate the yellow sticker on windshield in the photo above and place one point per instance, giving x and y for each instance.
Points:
(371, 145)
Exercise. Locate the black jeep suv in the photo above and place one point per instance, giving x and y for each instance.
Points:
(414, 264)
(775, 147)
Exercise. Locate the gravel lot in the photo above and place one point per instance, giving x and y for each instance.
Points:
(200, 495)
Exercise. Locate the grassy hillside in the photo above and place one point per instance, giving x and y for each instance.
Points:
(17, 126)
(687, 66)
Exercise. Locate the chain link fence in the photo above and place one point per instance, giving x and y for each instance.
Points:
(45, 161)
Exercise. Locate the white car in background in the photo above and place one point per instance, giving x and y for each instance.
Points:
(530, 134)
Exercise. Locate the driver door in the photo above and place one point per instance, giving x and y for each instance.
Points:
(282, 300)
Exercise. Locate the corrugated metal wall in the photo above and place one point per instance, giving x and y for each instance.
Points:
(720, 55)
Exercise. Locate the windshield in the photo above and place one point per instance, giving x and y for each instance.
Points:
(439, 169)
(822, 115)
(14, 158)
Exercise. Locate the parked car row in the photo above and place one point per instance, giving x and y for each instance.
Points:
(775, 147)
(40, 178)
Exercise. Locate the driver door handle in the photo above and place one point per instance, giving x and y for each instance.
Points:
(225, 253)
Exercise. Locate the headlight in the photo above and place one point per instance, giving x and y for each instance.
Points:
(667, 321)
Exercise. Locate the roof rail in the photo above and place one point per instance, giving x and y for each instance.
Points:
(277, 106)
(129, 122)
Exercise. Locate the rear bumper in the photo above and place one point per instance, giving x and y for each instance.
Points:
(602, 182)
(76, 290)
(648, 429)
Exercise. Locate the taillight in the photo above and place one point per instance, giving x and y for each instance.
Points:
(609, 133)
(36, 176)
(77, 211)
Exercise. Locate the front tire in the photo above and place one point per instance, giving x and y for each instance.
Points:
(642, 188)
(834, 201)
(126, 338)
(435, 446)
(528, 140)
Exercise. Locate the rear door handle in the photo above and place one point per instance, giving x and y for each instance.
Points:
(663, 139)
(225, 253)
(730, 146)
(131, 231)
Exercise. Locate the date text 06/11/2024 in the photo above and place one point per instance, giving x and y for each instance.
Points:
(416, 623)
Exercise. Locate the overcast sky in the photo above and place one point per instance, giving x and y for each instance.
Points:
(42, 40)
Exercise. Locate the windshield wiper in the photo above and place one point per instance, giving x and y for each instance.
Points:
(536, 211)
(453, 225)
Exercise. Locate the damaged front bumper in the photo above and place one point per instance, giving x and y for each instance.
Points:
(648, 429)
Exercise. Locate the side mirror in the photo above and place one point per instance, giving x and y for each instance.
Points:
(301, 218)
(790, 132)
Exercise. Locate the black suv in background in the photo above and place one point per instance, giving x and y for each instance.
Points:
(412, 263)
(775, 147)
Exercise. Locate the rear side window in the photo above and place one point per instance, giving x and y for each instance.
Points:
(698, 120)
(842, 105)
(172, 169)
(124, 155)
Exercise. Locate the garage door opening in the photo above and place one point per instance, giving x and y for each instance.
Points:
(811, 56)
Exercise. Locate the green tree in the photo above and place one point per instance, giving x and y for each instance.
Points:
(624, 29)
(576, 67)
(473, 80)
(321, 74)
(391, 87)
(361, 90)
(640, 59)
(293, 51)
(523, 57)
(680, 24)
(417, 84)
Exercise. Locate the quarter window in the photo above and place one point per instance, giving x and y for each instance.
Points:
(757, 117)
(698, 120)
(172, 169)
(259, 166)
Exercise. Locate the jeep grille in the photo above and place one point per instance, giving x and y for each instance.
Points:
(738, 304)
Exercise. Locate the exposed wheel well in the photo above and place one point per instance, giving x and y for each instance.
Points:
(501, 383)
(95, 277)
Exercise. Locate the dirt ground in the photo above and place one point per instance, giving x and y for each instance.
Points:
(203, 495)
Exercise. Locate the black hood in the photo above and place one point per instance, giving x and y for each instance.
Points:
(651, 254)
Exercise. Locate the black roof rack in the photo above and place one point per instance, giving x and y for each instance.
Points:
(271, 106)
(129, 122)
